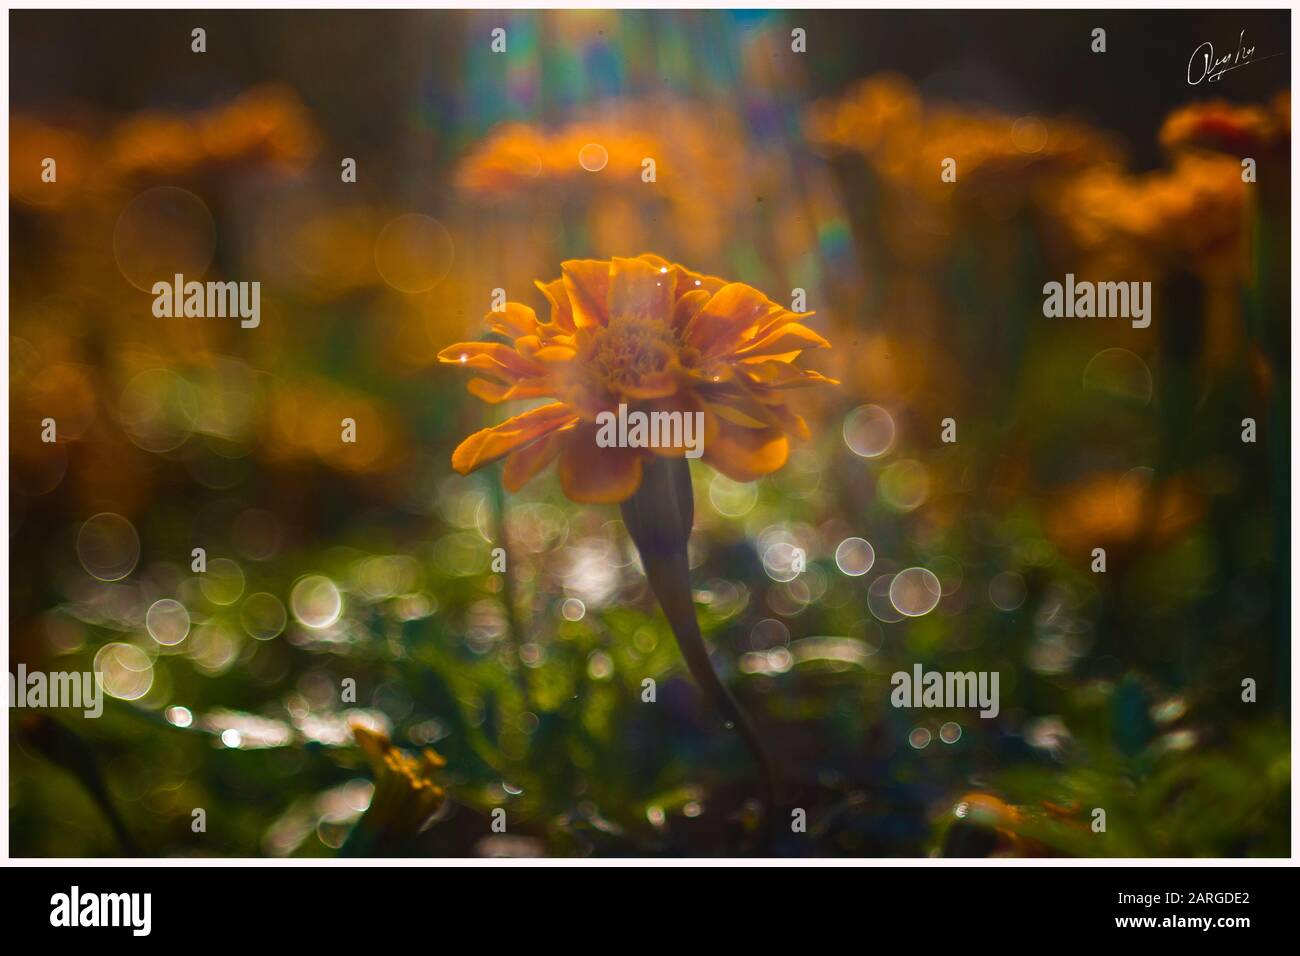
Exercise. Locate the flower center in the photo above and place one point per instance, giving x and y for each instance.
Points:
(632, 347)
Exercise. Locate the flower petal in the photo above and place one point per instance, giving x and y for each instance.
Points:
(789, 338)
(494, 392)
(638, 289)
(514, 321)
(561, 311)
(492, 358)
(779, 318)
(590, 474)
(789, 422)
(686, 405)
(772, 374)
(734, 310)
(523, 465)
(688, 306)
(743, 454)
(586, 282)
(490, 444)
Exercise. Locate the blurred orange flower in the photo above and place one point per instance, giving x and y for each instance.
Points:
(1242, 130)
(516, 156)
(406, 794)
(267, 122)
(655, 337)
(1116, 510)
(704, 169)
(884, 119)
(699, 141)
(881, 106)
(1197, 209)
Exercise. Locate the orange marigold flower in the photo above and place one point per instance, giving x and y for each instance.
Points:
(267, 123)
(1198, 209)
(1117, 510)
(879, 108)
(1229, 128)
(884, 119)
(650, 335)
(406, 792)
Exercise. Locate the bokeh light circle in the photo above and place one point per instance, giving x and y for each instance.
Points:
(878, 601)
(223, 582)
(108, 546)
(593, 157)
(1007, 591)
(1120, 373)
(767, 634)
(732, 499)
(855, 556)
(316, 601)
(413, 253)
(158, 410)
(161, 233)
(124, 671)
(1029, 134)
(262, 616)
(167, 621)
(869, 431)
(915, 592)
(905, 485)
(213, 648)
(600, 666)
(779, 561)
(949, 572)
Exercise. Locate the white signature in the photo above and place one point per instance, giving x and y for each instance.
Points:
(1213, 68)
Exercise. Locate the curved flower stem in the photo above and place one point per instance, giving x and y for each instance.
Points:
(508, 595)
(659, 518)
